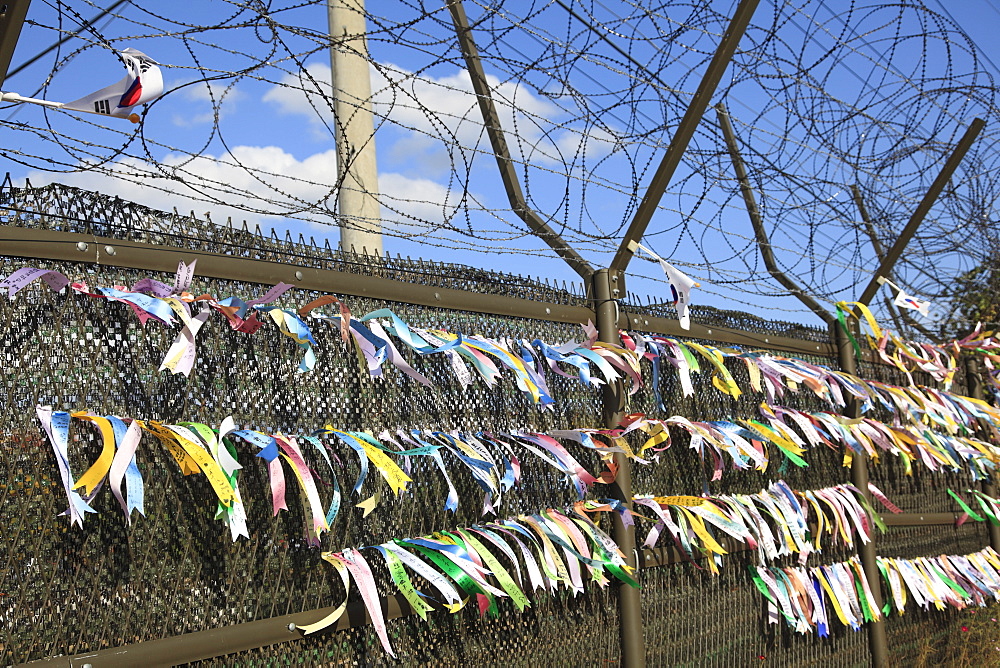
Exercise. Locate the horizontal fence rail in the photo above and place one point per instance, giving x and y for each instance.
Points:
(110, 252)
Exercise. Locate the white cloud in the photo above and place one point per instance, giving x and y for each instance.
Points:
(403, 197)
(219, 99)
(260, 184)
(593, 144)
(434, 112)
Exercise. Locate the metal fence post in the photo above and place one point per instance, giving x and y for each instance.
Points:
(607, 286)
(877, 643)
(11, 19)
(975, 384)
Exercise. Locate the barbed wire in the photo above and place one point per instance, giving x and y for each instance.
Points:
(823, 97)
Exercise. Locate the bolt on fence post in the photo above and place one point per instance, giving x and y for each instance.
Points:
(877, 644)
(607, 287)
(974, 382)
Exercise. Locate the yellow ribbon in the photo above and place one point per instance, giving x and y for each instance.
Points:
(187, 453)
(166, 437)
(330, 619)
(755, 376)
(830, 595)
(821, 521)
(516, 362)
(869, 318)
(698, 524)
(657, 434)
(722, 379)
(392, 474)
(95, 474)
(679, 500)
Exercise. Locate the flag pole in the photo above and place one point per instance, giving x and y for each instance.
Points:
(17, 98)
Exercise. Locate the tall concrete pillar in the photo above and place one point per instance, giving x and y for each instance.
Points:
(357, 203)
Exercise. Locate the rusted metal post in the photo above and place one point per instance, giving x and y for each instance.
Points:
(975, 384)
(607, 286)
(12, 15)
(877, 644)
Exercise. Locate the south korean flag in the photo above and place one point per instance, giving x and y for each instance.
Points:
(142, 84)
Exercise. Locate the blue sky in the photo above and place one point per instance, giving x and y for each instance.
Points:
(270, 157)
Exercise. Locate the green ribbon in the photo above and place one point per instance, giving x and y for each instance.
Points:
(761, 432)
(620, 573)
(602, 551)
(452, 570)
(682, 524)
(499, 572)
(564, 543)
(872, 515)
(492, 609)
(689, 357)
(955, 587)
(965, 508)
(847, 330)
(766, 591)
(761, 585)
(561, 574)
(781, 579)
(404, 584)
(221, 509)
(206, 433)
(424, 450)
(986, 508)
(887, 608)
(539, 549)
(862, 599)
